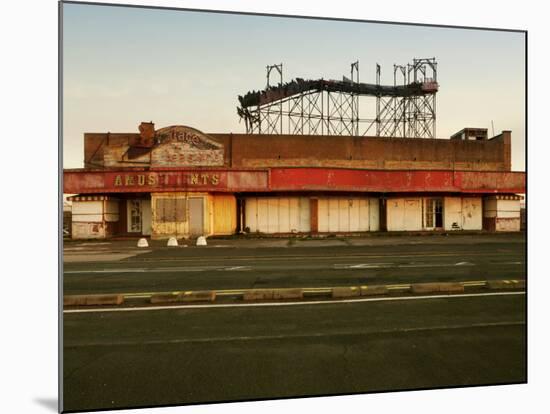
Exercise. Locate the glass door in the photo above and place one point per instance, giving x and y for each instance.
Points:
(433, 213)
(134, 216)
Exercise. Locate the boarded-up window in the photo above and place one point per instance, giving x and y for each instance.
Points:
(170, 210)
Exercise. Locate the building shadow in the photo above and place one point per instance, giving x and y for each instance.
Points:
(49, 403)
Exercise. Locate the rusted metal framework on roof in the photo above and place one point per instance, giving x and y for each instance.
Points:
(332, 107)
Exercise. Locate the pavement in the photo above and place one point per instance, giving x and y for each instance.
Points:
(147, 355)
(120, 267)
(143, 357)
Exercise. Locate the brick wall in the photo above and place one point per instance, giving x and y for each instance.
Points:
(245, 151)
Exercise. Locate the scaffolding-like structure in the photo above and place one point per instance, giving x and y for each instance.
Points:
(331, 107)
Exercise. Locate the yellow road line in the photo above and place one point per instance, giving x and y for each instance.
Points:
(227, 292)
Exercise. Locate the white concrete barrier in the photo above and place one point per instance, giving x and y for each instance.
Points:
(201, 241)
(172, 242)
(142, 243)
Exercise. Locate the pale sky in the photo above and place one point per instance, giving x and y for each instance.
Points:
(124, 65)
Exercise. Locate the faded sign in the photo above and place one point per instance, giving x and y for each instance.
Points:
(168, 179)
(181, 146)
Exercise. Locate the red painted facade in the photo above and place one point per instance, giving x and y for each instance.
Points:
(289, 179)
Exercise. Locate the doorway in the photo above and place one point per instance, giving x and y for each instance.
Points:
(433, 213)
(196, 216)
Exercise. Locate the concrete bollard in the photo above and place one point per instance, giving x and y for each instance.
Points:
(142, 243)
(201, 241)
(172, 242)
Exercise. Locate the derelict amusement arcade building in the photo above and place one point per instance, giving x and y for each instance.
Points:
(307, 164)
(178, 181)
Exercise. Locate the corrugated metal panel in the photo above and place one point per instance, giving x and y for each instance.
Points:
(413, 215)
(87, 207)
(354, 214)
(374, 215)
(87, 212)
(146, 218)
(322, 208)
(362, 214)
(196, 216)
(273, 215)
(452, 211)
(225, 214)
(87, 218)
(304, 215)
(160, 228)
(284, 215)
(395, 214)
(251, 214)
(343, 214)
(262, 215)
(333, 214)
(508, 208)
(277, 214)
(471, 213)
(294, 214)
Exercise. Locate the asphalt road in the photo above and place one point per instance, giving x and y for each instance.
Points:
(150, 357)
(122, 268)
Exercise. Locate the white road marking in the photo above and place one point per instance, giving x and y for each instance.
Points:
(299, 335)
(437, 264)
(407, 265)
(362, 265)
(233, 268)
(142, 270)
(162, 269)
(317, 302)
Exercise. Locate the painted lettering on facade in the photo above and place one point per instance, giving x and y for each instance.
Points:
(168, 180)
(181, 146)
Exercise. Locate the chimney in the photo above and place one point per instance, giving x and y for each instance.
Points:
(146, 135)
(147, 131)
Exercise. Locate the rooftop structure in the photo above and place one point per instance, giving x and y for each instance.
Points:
(332, 107)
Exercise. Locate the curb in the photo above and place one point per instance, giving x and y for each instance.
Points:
(191, 296)
(447, 287)
(278, 294)
(92, 300)
(505, 284)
